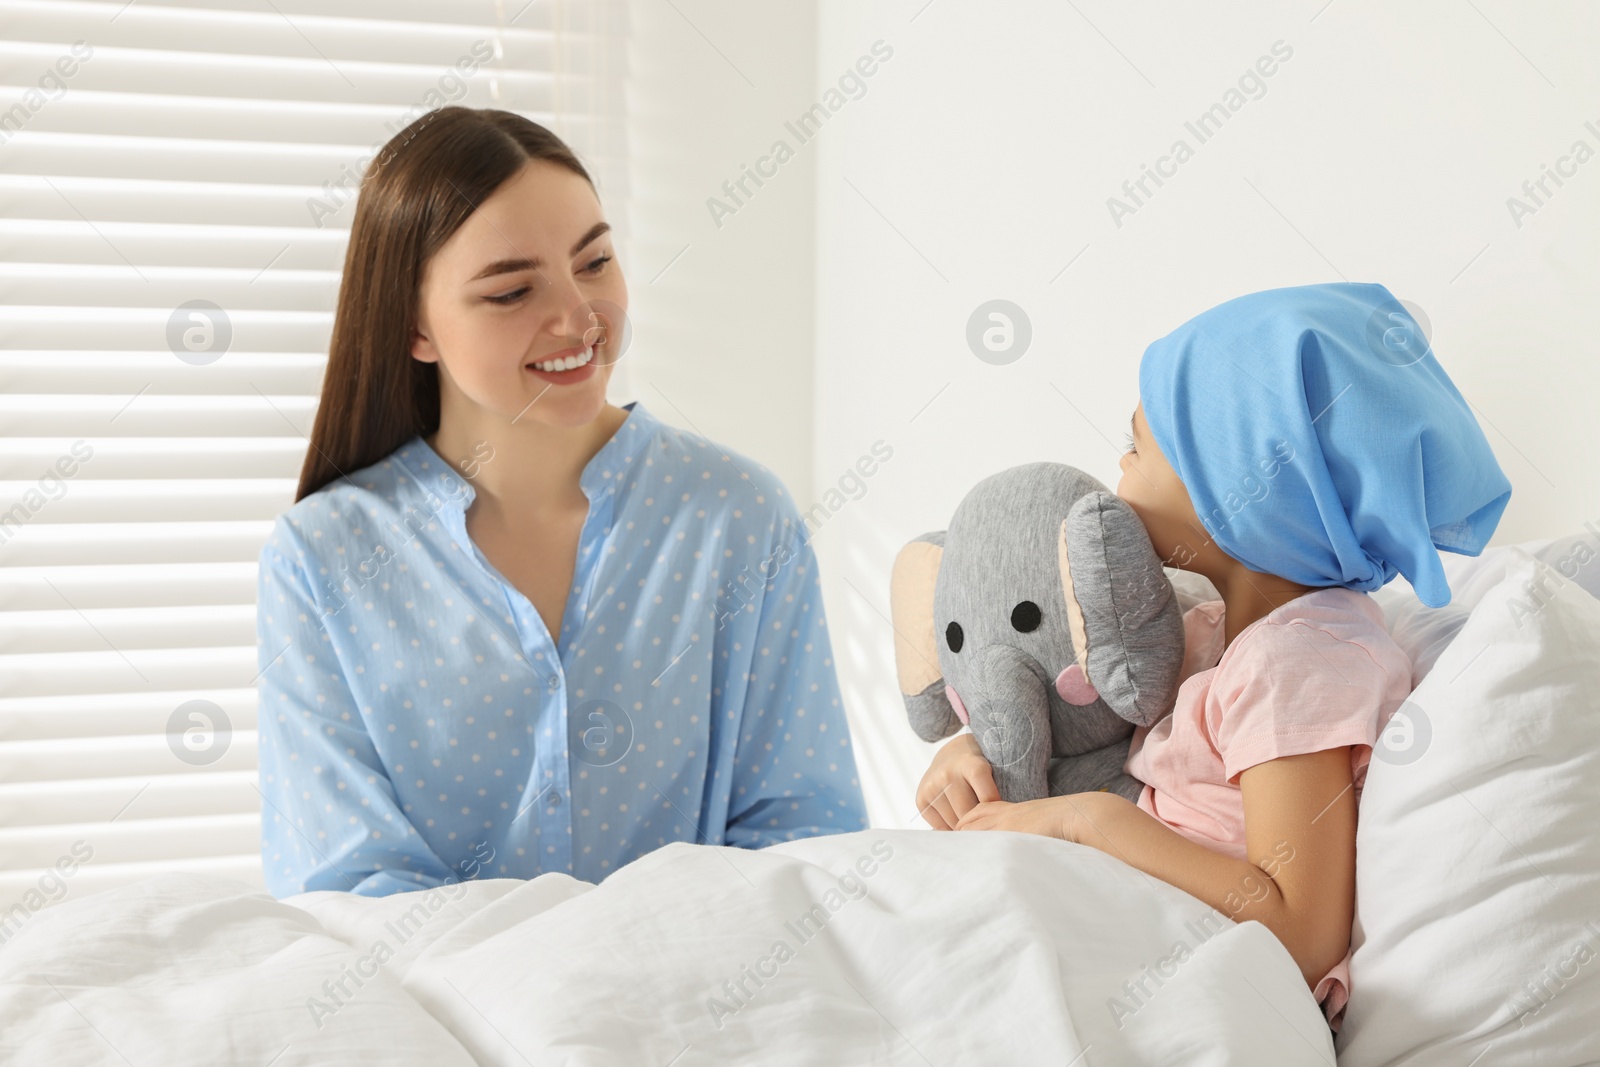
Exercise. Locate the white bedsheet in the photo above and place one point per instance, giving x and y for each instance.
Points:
(925, 948)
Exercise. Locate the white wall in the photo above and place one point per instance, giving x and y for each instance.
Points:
(979, 163)
(722, 316)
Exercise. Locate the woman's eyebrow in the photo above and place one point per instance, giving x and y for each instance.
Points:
(594, 231)
(508, 266)
(1133, 424)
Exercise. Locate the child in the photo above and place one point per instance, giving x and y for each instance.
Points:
(1299, 447)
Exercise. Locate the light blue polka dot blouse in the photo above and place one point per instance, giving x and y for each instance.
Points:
(418, 725)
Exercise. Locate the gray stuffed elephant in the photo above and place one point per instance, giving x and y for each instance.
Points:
(1043, 618)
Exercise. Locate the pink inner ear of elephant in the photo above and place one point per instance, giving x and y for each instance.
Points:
(955, 702)
(1074, 687)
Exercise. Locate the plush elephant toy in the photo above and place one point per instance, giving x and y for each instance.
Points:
(1043, 618)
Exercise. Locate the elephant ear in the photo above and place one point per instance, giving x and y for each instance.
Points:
(1124, 617)
(916, 646)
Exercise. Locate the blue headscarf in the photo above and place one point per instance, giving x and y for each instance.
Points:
(1320, 440)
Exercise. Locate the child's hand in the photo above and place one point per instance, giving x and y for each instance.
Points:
(1047, 816)
(958, 781)
(1029, 817)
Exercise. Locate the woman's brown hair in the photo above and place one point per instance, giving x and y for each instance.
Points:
(417, 192)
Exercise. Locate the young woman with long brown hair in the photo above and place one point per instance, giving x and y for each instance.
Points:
(509, 628)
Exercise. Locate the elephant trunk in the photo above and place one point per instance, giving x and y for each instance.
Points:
(1007, 697)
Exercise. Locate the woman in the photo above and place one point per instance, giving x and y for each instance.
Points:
(508, 628)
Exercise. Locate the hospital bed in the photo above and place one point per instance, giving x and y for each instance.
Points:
(1476, 934)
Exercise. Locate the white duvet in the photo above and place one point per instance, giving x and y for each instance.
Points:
(884, 946)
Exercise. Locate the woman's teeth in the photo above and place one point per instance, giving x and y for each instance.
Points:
(567, 363)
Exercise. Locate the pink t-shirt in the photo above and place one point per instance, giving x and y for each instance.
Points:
(1319, 672)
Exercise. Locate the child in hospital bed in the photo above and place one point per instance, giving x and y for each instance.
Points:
(1299, 447)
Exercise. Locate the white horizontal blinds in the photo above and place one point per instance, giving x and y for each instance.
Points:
(198, 150)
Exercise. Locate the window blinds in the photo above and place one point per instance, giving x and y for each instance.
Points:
(177, 180)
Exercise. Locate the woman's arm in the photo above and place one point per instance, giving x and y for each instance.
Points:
(329, 819)
(794, 768)
(1300, 837)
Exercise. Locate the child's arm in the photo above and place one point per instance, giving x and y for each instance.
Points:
(1300, 837)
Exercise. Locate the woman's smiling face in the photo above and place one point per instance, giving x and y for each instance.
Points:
(530, 276)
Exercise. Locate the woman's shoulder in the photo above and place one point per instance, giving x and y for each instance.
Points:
(709, 474)
(346, 513)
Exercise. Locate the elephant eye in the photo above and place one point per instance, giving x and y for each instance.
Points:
(953, 636)
(1025, 617)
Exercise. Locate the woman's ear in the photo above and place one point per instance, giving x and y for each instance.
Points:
(422, 349)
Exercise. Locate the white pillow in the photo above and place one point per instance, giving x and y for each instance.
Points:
(1575, 557)
(1477, 933)
(1424, 632)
